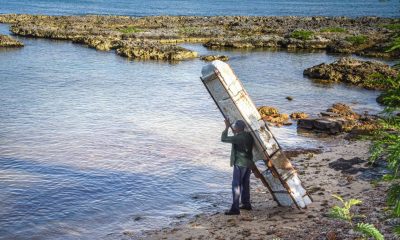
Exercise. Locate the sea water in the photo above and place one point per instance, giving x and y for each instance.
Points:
(93, 145)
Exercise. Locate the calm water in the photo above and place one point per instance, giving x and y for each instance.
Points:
(386, 8)
(92, 144)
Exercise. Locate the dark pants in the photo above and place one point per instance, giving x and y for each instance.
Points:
(240, 187)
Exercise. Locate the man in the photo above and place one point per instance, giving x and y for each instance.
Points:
(241, 160)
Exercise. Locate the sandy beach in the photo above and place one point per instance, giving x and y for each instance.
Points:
(322, 177)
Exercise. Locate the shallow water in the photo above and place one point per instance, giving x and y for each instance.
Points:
(92, 144)
(355, 8)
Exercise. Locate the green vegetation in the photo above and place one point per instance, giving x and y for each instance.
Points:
(386, 143)
(394, 45)
(333, 29)
(357, 39)
(379, 81)
(130, 29)
(394, 26)
(302, 34)
(344, 213)
(188, 31)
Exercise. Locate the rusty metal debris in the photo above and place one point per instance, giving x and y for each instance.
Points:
(272, 167)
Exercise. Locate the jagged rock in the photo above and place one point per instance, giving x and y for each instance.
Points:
(340, 118)
(343, 110)
(352, 71)
(298, 115)
(156, 51)
(109, 32)
(267, 111)
(272, 115)
(7, 41)
(210, 58)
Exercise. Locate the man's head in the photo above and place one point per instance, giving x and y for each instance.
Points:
(239, 126)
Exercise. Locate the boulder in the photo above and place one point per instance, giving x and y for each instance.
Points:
(321, 125)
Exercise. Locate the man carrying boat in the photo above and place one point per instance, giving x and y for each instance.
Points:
(241, 160)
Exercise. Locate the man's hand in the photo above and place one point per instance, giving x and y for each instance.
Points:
(227, 123)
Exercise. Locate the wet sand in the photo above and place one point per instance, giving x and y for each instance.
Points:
(317, 171)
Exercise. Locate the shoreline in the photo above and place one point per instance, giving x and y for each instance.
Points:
(317, 172)
(158, 37)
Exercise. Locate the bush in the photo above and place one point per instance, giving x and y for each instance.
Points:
(302, 34)
(357, 40)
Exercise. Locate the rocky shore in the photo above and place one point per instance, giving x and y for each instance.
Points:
(157, 37)
(367, 74)
(7, 41)
(341, 169)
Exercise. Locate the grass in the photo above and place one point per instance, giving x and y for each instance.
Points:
(333, 29)
(394, 45)
(394, 26)
(357, 39)
(130, 29)
(302, 34)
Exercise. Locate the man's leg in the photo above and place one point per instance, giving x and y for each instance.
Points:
(236, 188)
(246, 189)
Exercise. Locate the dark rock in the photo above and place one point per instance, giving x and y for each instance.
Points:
(321, 125)
(346, 166)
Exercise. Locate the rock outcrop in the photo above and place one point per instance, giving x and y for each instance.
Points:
(340, 118)
(7, 41)
(210, 58)
(365, 35)
(155, 51)
(365, 74)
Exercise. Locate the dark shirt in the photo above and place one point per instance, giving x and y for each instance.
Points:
(242, 145)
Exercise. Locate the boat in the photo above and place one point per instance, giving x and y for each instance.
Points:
(271, 165)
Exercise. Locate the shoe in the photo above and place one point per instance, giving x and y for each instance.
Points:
(230, 212)
(248, 208)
